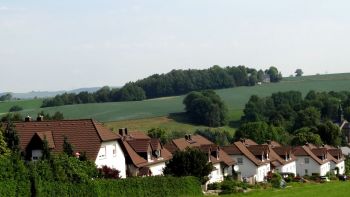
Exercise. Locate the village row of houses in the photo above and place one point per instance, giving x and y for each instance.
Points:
(136, 154)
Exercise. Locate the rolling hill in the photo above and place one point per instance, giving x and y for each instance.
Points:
(235, 99)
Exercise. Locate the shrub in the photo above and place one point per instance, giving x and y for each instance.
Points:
(214, 186)
(276, 180)
(15, 108)
(108, 173)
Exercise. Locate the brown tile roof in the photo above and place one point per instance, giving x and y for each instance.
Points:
(198, 141)
(280, 154)
(138, 142)
(155, 144)
(306, 151)
(244, 151)
(85, 135)
(46, 135)
(258, 150)
(231, 150)
(140, 145)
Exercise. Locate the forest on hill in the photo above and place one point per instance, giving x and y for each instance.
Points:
(176, 82)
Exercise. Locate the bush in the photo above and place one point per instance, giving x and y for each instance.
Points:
(214, 186)
(276, 180)
(15, 108)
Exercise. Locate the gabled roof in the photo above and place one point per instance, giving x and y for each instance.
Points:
(202, 143)
(244, 151)
(306, 151)
(86, 135)
(258, 150)
(46, 135)
(196, 141)
(136, 143)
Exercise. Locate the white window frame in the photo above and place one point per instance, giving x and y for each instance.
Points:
(103, 154)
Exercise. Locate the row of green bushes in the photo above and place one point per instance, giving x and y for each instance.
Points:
(146, 186)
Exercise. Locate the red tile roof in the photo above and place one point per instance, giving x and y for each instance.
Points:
(307, 151)
(246, 152)
(198, 141)
(137, 142)
(85, 135)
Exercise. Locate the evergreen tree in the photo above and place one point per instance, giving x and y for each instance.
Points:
(68, 147)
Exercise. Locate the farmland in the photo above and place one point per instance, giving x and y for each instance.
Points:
(155, 112)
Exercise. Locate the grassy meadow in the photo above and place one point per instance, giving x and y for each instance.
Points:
(143, 115)
(333, 189)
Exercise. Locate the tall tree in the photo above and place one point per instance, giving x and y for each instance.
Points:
(68, 147)
(206, 107)
(275, 76)
(11, 137)
(299, 72)
(191, 162)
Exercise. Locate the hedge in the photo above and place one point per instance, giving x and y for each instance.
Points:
(140, 187)
(12, 188)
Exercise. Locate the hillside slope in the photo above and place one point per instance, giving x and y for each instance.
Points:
(235, 99)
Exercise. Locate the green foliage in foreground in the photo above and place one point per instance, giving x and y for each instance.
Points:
(138, 187)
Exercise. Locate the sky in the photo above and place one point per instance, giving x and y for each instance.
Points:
(48, 45)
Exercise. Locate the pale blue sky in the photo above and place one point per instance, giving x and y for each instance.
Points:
(67, 44)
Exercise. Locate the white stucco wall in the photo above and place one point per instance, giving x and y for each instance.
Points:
(311, 167)
(249, 169)
(157, 169)
(37, 154)
(217, 174)
(106, 157)
(340, 165)
(288, 168)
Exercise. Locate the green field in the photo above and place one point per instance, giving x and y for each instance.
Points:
(334, 189)
(235, 98)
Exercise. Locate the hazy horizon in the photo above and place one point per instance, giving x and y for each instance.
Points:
(65, 45)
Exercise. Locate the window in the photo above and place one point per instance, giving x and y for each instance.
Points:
(306, 160)
(240, 161)
(114, 150)
(306, 172)
(102, 154)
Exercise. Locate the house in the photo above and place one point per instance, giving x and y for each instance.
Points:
(221, 161)
(266, 78)
(312, 160)
(282, 158)
(253, 159)
(87, 136)
(337, 159)
(144, 156)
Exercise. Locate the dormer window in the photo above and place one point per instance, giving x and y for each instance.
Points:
(157, 153)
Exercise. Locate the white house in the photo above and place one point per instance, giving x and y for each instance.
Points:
(282, 158)
(87, 136)
(337, 160)
(221, 161)
(253, 160)
(144, 156)
(312, 160)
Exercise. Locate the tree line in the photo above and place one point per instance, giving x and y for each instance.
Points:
(291, 119)
(176, 82)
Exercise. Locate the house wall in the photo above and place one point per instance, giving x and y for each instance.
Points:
(157, 169)
(217, 174)
(311, 167)
(340, 165)
(106, 157)
(249, 169)
(37, 154)
(288, 168)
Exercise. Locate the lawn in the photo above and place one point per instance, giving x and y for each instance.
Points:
(333, 189)
(235, 98)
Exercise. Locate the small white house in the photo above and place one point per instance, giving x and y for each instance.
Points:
(282, 159)
(144, 156)
(337, 160)
(312, 160)
(253, 160)
(88, 137)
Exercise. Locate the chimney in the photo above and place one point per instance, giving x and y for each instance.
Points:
(268, 142)
(121, 132)
(40, 118)
(186, 137)
(126, 131)
(27, 119)
(189, 137)
(242, 140)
